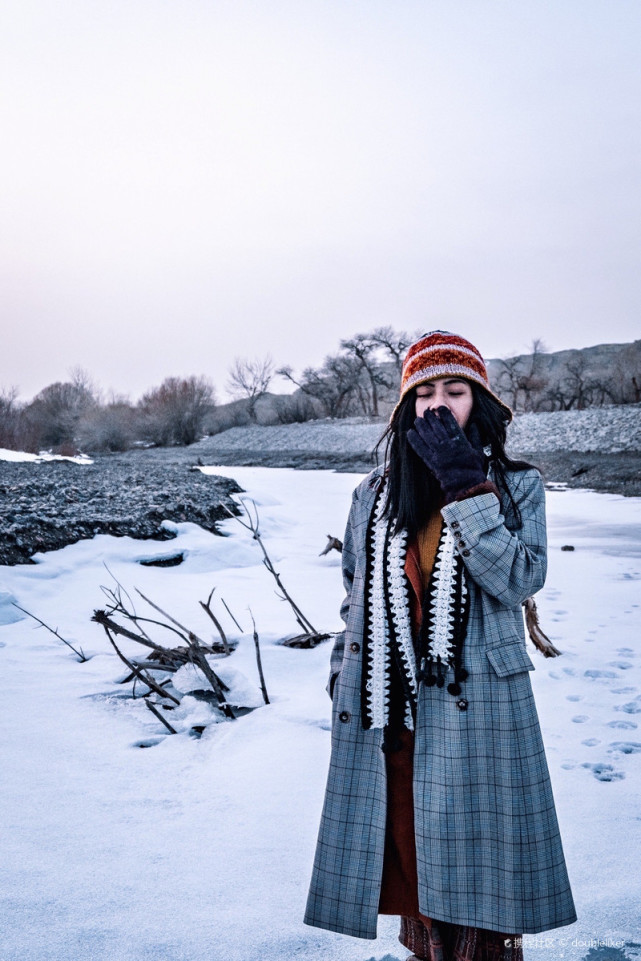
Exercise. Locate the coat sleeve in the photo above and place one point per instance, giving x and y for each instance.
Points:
(349, 566)
(509, 565)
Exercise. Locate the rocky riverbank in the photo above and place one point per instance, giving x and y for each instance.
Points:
(44, 506)
(48, 505)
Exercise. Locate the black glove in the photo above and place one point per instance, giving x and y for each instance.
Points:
(456, 462)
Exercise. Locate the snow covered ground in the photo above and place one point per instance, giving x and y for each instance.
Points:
(19, 456)
(201, 849)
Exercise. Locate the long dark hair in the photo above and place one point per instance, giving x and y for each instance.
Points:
(413, 492)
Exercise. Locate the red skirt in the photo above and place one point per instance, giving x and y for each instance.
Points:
(428, 939)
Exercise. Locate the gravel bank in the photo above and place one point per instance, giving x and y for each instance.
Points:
(46, 506)
(599, 448)
(612, 429)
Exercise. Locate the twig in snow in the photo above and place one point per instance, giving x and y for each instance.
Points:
(153, 710)
(252, 525)
(187, 634)
(232, 616)
(333, 544)
(101, 617)
(207, 607)
(540, 640)
(149, 681)
(199, 659)
(258, 659)
(79, 653)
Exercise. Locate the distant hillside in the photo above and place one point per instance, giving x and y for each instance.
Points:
(576, 379)
(570, 379)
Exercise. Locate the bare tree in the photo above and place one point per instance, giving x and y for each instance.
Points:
(333, 385)
(508, 380)
(577, 382)
(394, 343)
(250, 379)
(174, 412)
(365, 350)
(522, 379)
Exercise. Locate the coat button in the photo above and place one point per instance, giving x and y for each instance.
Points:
(354, 647)
(455, 525)
(344, 716)
(465, 553)
(461, 543)
(462, 704)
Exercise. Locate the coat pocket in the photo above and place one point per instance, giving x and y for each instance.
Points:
(510, 658)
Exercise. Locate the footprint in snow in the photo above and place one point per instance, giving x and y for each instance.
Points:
(604, 772)
(623, 725)
(387, 957)
(595, 674)
(570, 671)
(574, 697)
(581, 718)
(591, 741)
(622, 665)
(632, 707)
(625, 652)
(623, 690)
(625, 747)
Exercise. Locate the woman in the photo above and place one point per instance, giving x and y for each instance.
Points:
(438, 805)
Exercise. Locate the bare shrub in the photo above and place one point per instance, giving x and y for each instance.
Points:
(10, 416)
(225, 417)
(112, 427)
(294, 409)
(174, 413)
(53, 415)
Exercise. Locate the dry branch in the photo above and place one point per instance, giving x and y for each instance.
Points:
(152, 708)
(540, 640)
(333, 544)
(259, 661)
(232, 616)
(252, 525)
(101, 617)
(138, 671)
(207, 607)
(79, 653)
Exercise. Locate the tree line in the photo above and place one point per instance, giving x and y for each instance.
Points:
(361, 378)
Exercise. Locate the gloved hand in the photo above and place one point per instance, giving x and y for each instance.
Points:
(455, 461)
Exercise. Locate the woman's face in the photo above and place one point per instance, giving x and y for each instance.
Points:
(452, 392)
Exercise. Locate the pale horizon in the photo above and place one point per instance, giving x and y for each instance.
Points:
(186, 184)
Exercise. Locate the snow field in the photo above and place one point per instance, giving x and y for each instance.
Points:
(194, 849)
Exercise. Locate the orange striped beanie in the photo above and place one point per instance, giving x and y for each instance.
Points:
(442, 354)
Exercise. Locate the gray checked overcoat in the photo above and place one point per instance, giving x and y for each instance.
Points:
(488, 847)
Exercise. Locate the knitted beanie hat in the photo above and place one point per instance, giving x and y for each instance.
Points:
(442, 354)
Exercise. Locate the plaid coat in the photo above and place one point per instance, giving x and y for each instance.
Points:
(488, 847)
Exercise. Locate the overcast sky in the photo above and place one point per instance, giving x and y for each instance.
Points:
(187, 182)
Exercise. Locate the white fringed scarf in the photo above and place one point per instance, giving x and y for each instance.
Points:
(388, 626)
